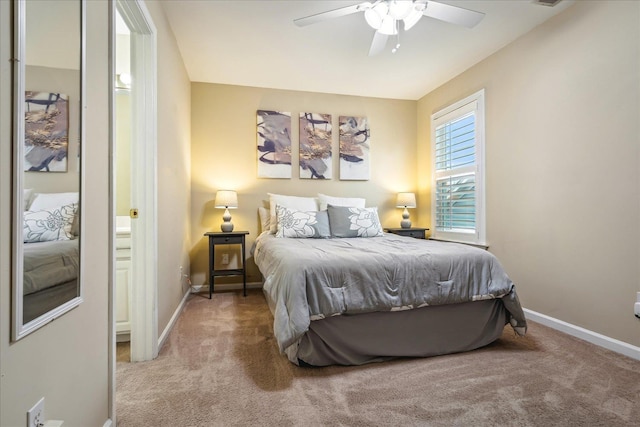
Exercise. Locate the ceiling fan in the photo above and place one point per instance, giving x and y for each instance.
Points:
(385, 15)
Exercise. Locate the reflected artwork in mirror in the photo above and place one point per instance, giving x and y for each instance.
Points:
(48, 78)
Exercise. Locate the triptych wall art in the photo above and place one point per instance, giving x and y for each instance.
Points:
(315, 146)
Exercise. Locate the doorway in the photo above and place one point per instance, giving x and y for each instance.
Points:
(134, 180)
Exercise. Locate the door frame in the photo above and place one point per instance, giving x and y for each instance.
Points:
(144, 294)
(144, 316)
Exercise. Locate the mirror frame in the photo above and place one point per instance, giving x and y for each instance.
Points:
(19, 328)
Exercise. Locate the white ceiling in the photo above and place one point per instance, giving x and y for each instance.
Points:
(255, 43)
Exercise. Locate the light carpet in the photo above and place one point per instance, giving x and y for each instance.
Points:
(221, 367)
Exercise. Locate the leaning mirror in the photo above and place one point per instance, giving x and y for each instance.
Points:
(48, 81)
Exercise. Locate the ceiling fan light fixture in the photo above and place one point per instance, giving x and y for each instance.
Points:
(373, 18)
(388, 26)
(384, 15)
(412, 19)
(400, 9)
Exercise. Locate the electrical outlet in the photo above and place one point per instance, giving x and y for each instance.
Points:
(181, 275)
(636, 306)
(225, 259)
(35, 416)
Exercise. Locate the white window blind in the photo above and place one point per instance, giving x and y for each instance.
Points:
(457, 140)
(456, 203)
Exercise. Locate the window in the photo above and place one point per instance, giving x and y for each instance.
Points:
(457, 140)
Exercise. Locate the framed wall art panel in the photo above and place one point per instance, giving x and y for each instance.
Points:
(355, 146)
(274, 144)
(315, 146)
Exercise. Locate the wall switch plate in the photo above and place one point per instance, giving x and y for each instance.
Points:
(35, 416)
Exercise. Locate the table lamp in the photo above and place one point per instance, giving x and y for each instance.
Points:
(226, 199)
(406, 200)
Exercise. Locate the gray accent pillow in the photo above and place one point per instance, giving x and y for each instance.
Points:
(298, 224)
(354, 222)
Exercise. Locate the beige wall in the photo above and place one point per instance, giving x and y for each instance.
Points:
(223, 156)
(174, 171)
(65, 361)
(563, 163)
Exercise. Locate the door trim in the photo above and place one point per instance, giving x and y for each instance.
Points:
(144, 301)
(144, 315)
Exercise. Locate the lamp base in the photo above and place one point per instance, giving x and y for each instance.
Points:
(226, 226)
(405, 223)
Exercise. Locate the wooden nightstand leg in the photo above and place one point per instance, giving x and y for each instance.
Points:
(244, 271)
(212, 251)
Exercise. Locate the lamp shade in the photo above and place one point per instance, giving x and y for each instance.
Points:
(406, 200)
(226, 199)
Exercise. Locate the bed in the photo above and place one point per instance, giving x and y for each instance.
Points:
(50, 252)
(351, 301)
(50, 276)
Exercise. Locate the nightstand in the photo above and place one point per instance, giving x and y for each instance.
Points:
(418, 233)
(223, 238)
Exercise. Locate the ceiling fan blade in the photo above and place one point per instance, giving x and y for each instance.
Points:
(378, 43)
(453, 14)
(335, 13)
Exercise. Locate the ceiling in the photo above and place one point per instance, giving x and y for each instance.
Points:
(255, 43)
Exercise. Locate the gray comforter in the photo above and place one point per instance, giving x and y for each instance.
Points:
(309, 279)
(48, 264)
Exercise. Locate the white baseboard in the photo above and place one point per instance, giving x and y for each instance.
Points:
(585, 334)
(172, 321)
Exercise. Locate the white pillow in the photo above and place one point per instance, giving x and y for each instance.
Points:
(265, 218)
(26, 198)
(350, 202)
(305, 204)
(43, 201)
(49, 224)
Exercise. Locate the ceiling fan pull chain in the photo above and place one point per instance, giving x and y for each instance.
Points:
(395, 49)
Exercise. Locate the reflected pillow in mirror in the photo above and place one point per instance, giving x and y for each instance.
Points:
(49, 224)
(26, 198)
(52, 200)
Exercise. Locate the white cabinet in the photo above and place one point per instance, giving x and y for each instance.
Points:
(123, 278)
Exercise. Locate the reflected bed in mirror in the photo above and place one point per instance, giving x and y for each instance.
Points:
(51, 256)
(47, 165)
